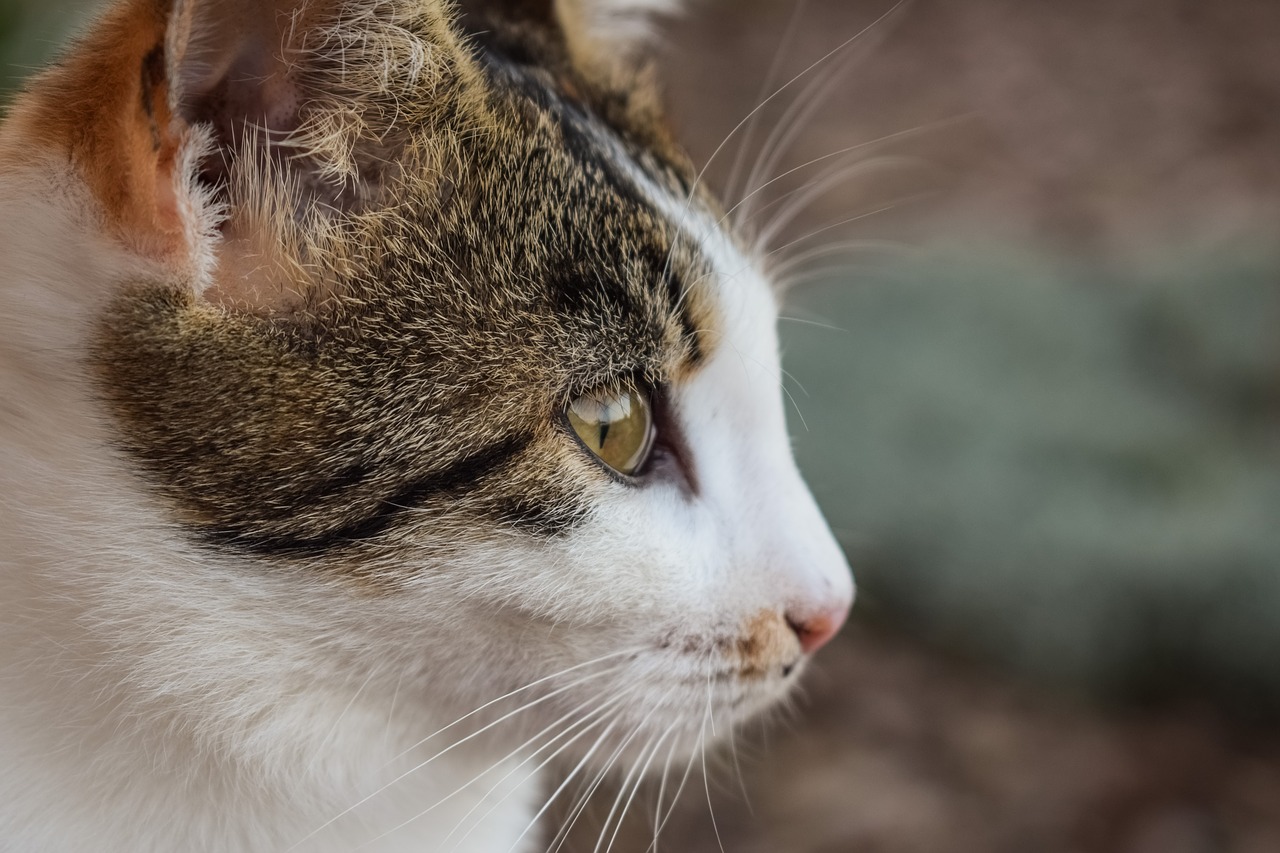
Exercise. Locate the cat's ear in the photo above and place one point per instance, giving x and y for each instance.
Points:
(302, 108)
(310, 81)
(217, 135)
(236, 66)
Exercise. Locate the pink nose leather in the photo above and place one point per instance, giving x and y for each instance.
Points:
(816, 630)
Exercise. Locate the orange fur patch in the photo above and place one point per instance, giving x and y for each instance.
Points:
(107, 107)
(766, 643)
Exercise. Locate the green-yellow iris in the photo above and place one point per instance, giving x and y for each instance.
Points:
(616, 425)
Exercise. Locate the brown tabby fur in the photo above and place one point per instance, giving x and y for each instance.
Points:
(458, 258)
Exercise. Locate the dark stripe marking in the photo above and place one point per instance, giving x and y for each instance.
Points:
(464, 472)
(152, 75)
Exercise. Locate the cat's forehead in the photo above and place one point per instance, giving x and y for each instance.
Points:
(569, 214)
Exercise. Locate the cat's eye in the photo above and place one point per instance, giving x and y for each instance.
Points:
(616, 425)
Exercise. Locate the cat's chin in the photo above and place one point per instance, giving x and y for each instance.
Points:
(665, 707)
(681, 722)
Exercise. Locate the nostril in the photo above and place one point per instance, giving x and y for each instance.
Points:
(815, 631)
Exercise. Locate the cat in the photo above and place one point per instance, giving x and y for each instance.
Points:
(388, 419)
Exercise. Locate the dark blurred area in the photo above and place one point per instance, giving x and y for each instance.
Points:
(1033, 346)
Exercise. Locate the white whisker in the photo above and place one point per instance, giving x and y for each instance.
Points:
(460, 742)
(601, 775)
(540, 681)
(799, 111)
(684, 779)
(706, 783)
(653, 751)
(795, 405)
(805, 238)
(662, 790)
(844, 247)
(796, 201)
(840, 152)
(597, 714)
(784, 87)
(814, 323)
(798, 114)
(793, 24)
(623, 787)
(337, 723)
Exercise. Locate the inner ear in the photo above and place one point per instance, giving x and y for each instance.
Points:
(297, 111)
(236, 67)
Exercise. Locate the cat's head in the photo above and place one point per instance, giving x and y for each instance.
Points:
(449, 348)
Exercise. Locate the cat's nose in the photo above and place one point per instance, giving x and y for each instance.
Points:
(815, 628)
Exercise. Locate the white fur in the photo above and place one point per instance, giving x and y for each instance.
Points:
(152, 698)
(157, 697)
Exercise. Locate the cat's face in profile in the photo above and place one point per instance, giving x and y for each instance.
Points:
(446, 363)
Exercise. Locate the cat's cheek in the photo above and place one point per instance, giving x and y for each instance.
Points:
(711, 589)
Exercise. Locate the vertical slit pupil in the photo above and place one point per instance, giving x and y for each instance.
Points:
(618, 415)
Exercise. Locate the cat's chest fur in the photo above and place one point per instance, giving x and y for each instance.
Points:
(389, 430)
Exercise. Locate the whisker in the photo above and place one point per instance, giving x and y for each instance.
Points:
(626, 783)
(823, 273)
(706, 784)
(599, 778)
(787, 374)
(497, 784)
(793, 24)
(598, 714)
(883, 209)
(653, 751)
(662, 790)
(333, 730)
(798, 200)
(391, 711)
(697, 181)
(795, 405)
(737, 769)
(800, 112)
(849, 149)
(563, 834)
(467, 738)
(543, 680)
(623, 787)
(815, 323)
(797, 261)
(675, 799)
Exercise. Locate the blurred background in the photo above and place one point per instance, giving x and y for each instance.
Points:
(1033, 346)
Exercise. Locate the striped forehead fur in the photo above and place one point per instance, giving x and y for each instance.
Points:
(507, 261)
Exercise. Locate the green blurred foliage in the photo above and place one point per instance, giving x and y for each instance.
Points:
(1074, 473)
(31, 32)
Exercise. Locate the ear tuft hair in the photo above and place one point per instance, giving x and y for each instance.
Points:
(306, 107)
(315, 78)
